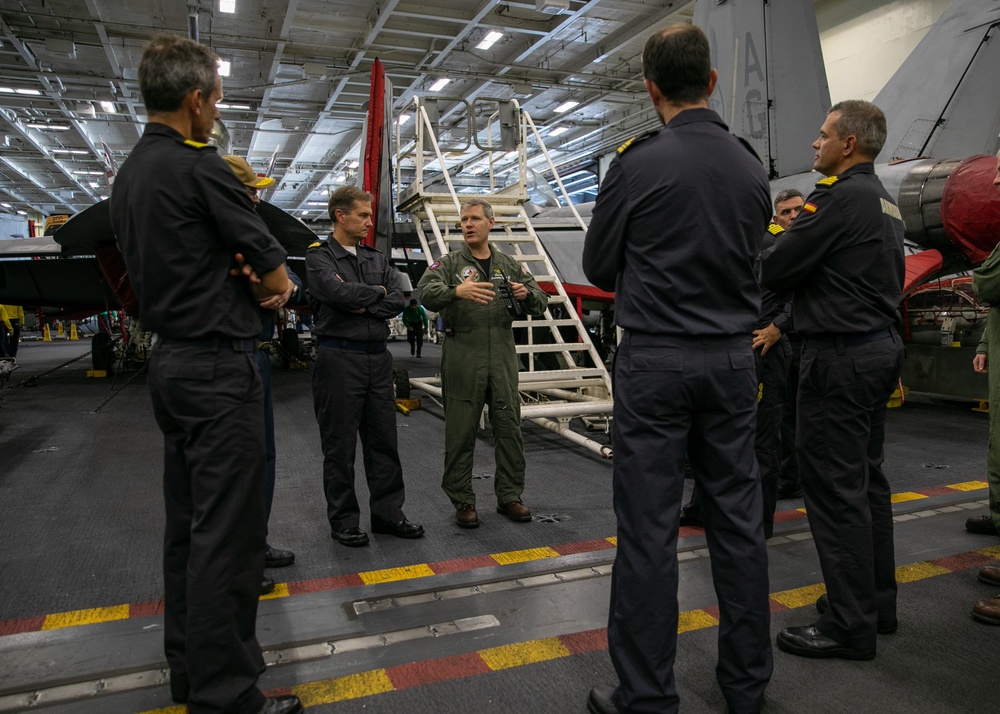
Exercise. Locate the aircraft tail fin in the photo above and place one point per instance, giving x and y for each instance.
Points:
(772, 88)
(942, 101)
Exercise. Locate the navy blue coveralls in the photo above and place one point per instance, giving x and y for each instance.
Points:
(675, 232)
(352, 378)
(843, 260)
(180, 215)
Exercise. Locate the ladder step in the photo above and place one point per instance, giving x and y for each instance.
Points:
(552, 347)
(541, 322)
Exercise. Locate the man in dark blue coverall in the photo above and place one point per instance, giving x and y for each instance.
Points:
(842, 259)
(353, 290)
(686, 297)
(182, 219)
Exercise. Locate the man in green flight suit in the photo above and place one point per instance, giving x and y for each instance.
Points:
(986, 282)
(479, 363)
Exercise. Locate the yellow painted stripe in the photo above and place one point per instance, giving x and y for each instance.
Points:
(522, 653)
(353, 686)
(613, 540)
(968, 486)
(179, 709)
(800, 597)
(993, 551)
(523, 556)
(85, 617)
(389, 575)
(906, 496)
(801, 510)
(695, 620)
(280, 590)
(918, 571)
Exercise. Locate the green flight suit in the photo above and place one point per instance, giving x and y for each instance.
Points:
(986, 282)
(479, 366)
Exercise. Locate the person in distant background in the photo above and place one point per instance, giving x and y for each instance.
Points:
(415, 321)
(15, 318)
(5, 330)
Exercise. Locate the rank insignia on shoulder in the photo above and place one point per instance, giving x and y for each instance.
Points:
(435, 265)
(828, 181)
(809, 208)
(194, 144)
(633, 141)
(317, 244)
(624, 147)
(774, 229)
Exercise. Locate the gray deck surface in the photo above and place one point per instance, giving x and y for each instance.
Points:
(81, 521)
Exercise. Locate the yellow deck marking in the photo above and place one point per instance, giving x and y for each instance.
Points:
(993, 551)
(799, 597)
(179, 709)
(280, 590)
(801, 510)
(613, 540)
(523, 556)
(695, 620)
(522, 653)
(906, 496)
(353, 686)
(389, 575)
(918, 571)
(85, 617)
(968, 486)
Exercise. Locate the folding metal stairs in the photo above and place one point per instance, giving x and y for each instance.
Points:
(574, 383)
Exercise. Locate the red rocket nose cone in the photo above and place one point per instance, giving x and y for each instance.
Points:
(970, 208)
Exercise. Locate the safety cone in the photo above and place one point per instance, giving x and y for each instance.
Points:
(60, 332)
(46, 335)
(72, 331)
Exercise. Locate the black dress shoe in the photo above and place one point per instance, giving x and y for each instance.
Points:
(400, 529)
(278, 558)
(600, 700)
(810, 642)
(691, 516)
(282, 705)
(789, 490)
(351, 537)
(266, 586)
(888, 628)
(983, 525)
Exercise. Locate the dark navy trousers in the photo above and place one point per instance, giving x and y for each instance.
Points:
(843, 392)
(352, 396)
(209, 405)
(694, 396)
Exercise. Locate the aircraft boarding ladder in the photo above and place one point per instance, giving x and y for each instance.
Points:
(562, 376)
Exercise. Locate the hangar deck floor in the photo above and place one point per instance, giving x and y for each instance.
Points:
(507, 617)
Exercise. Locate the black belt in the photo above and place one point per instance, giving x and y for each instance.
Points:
(339, 344)
(847, 339)
(245, 345)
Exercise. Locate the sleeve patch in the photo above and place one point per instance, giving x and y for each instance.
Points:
(809, 208)
(435, 265)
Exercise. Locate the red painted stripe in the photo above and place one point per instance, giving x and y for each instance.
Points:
(713, 610)
(417, 674)
(788, 516)
(144, 609)
(963, 561)
(688, 531)
(584, 546)
(335, 583)
(937, 491)
(460, 564)
(21, 625)
(778, 607)
(589, 641)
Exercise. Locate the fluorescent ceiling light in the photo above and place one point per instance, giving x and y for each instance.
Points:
(440, 84)
(50, 127)
(109, 107)
(325, 192)
(340, 179)
(82, 172)
(244, 107)
(491, 37)
(316, 203)
(403, 118)
(104, 198)
(32, 92)
(559, 130)
(224, 66)
(6, 90)
(566, 106)
(228, 6)
(93, 184)
(77, 152)
(355, 164)
(22, 213)
(6, 205)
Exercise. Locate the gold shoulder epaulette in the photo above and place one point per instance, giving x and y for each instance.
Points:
(195, 144)
(624, 147)
(317, 244)
(828, 181)
(774, 229)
